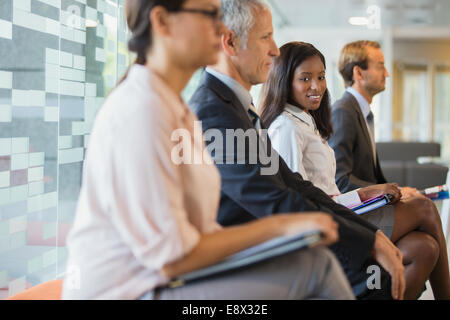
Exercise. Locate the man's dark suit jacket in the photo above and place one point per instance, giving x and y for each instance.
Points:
(355, 165)
(247, 195)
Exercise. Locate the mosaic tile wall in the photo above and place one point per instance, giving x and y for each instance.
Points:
(58, 60)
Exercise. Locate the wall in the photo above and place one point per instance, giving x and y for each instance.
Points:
(54, 74)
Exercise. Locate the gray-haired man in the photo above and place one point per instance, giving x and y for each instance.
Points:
(223, 102)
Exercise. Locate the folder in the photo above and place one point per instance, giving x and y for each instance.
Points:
(263, 251)
(436, 193)
(372, 204)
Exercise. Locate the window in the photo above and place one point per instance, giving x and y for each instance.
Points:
(442, 109)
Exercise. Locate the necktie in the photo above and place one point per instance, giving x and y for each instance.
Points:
(370, 123)
(254, 117)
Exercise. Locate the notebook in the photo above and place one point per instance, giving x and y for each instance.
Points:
(372, 204)
(436, 193)
(263, 251)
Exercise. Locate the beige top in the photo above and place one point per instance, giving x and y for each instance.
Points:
(138, 210)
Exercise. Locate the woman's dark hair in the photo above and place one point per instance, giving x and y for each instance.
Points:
(277, 91)
(138, 20)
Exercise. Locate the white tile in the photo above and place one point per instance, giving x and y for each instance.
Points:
(51, 56)
(24, 5)
(53, 3)
(5, 29)
(71, 88)
(5, 146)
(52, 85)
(4, 278)
(29, 20)
(72, 74)
(79, 36)
(35, 188)
(19, 161)
(36, 159)
(5, 79)
(100, 54)
(51, 114)
(43, 201)
(91, 14)
(71, 155)
(19, 193)
(101, 6)
(35, 174)
(86, 140)
(65, 142)
(16, 286)
(52, 27)
(122, 59)
(110, 81)
(91, 89)
(5, 113)
(66, 33)
(66, 59)
(78, 128)
(20, 145)
(49, 257)
(17, 224)
(28, 98)
(79, 62)
(5, 196)
(52, 70)
(5, 179)
(101, 31)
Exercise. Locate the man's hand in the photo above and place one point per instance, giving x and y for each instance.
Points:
(391, 259)
(378, 190)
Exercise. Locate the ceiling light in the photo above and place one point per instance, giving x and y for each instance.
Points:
(358, 21)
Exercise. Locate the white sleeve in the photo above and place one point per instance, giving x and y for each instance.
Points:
(288, 141)
(348, 199)
(147, 200)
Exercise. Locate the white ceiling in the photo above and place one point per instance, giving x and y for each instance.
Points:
(325, 13)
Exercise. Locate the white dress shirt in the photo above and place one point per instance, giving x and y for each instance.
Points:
(296, 139)
(365, 109)
(241, 93)
(137, 209)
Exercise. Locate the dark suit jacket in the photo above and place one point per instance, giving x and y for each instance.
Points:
(247, 195)
(355, 165)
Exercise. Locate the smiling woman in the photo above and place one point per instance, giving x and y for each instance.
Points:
(142, 220)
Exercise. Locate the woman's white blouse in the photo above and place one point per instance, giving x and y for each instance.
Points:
(138, 210)
(296, 139)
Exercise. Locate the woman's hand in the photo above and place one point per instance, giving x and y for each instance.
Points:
(302, 222)
(408, 192)
(380, 189)
(213, 247)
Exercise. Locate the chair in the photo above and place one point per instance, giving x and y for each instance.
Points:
(50, 290)
(399, 163)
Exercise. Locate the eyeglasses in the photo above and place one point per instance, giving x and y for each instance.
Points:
(215, 14)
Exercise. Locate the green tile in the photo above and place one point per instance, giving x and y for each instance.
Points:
(35, 264)
(5, 196)
(4, 228)
(17, 240)
(49, 230)
(4, 243)
(36, 159)
(3, 278)
(49, 258)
